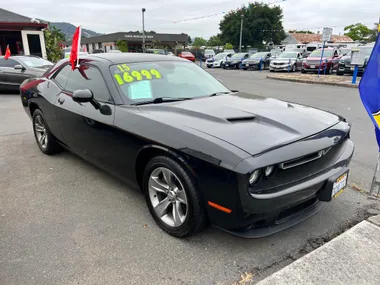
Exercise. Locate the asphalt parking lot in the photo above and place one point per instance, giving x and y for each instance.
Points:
(62, 221)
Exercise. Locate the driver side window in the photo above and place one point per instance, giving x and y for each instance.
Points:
(89, 77)
(8, 62)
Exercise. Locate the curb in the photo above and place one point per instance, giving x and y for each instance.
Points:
(313, 82)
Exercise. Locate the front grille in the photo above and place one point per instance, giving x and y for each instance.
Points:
(313, 62)
(301, 160)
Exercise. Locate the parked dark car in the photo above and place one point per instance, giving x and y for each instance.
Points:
(235, 61)
(257, 61)
(15, 69)
(345, 66)
(198, 151)
(331, 57)
(287, 61)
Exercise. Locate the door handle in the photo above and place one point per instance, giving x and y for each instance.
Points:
(60, 101)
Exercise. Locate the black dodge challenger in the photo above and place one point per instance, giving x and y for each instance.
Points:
(199, 152)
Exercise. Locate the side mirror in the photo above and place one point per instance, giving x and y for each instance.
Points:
(19, 66)
(83, 96)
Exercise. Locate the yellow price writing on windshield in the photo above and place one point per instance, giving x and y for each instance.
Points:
(128, 76)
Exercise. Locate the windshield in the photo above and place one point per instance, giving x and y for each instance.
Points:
(186, 53)
(145, 81)
(209, 52)
(34, 62)
(288, 55)
(238, 55)
(318, 53)
(259, 55)
(220, 55)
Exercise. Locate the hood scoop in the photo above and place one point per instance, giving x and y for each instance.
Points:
(241, 119)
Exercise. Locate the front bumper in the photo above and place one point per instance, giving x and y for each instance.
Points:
(280, 67)
(249, 65)
(314, 68)
(349, 69)
(232, 65)
(290, 205)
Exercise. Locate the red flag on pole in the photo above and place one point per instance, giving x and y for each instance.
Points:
(75, 48)
(7, 53)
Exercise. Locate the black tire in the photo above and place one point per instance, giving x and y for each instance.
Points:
(294, 68)
(224, 67)
(51, 146)
(244, 68)
(271, 70)
(339, 73)
(196, 218)
(303, 71)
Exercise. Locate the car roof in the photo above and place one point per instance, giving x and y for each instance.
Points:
(117, 58)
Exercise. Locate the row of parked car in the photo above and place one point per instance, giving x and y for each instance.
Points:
(333, 59)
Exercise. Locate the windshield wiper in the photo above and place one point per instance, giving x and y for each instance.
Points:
(161, 100)
(221, 93)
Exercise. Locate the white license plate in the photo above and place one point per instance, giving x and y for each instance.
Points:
(352, 68)
(247, 64)
(312, 66)
(339, 185)
(226, 64)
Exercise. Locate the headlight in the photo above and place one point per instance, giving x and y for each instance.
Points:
(254, 177)
(269, 171)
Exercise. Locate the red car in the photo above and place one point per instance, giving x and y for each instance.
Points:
(330, 60)
(187, 55)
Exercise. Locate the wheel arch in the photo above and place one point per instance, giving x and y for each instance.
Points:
(147, 152)
(33, 106)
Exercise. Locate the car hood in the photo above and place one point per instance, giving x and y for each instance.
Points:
(255, 124)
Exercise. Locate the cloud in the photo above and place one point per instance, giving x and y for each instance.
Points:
(102, 17)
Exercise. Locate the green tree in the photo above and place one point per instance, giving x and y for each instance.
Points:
(122, 46)
(214, 41)
(228, 46)
(359, 32)
(189, 40)
(301, 32)
(53, 43)
(260, 23)
(198, 42)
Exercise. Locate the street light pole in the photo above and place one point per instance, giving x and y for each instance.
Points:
(143, 29)
(241, 32)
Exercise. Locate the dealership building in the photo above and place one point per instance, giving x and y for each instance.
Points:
(22, 34)
(134, 41)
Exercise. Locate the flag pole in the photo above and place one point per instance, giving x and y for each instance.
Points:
(78, 48)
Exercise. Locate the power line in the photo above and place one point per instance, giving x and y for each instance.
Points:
(221, 13)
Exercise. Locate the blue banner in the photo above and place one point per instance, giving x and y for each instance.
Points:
(369, 88)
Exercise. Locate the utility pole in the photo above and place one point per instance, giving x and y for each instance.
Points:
(241, 32)
(143, 29)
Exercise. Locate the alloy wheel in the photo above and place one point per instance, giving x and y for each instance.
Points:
(168, 197)
(40, 131)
